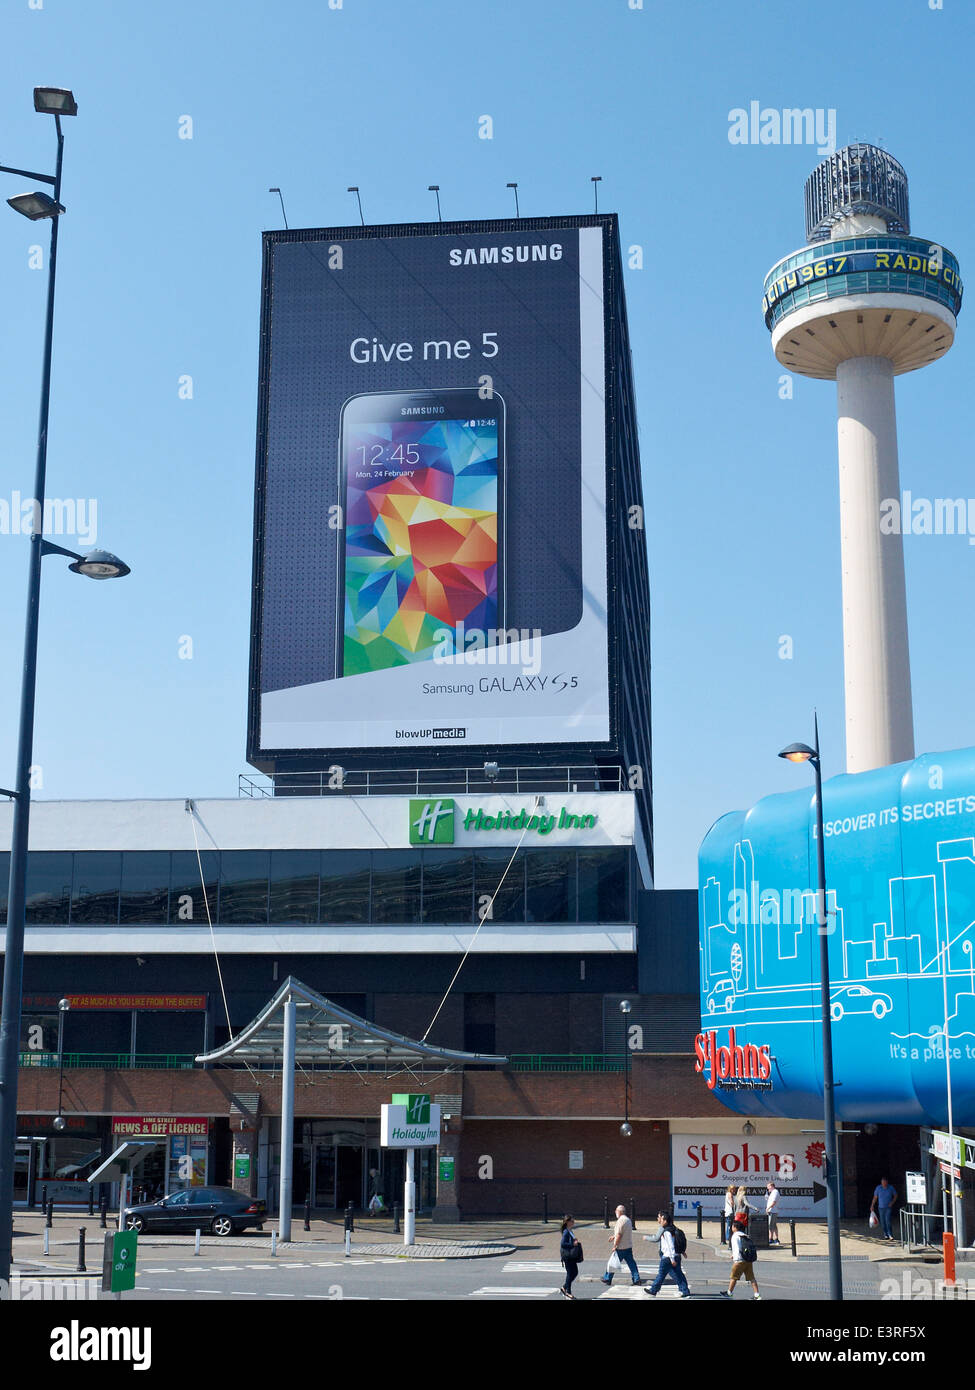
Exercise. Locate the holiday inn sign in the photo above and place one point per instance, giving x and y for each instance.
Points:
(432, 820)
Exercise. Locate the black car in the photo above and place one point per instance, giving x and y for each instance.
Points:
(219, 1210)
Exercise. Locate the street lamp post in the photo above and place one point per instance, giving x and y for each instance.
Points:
(98, 565)
(802, 753)
(63, 1006)
(626, 1129)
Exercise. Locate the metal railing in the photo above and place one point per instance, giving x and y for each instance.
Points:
(565, 1061)
(920, 1228)
(112, 1061)
(420, 781)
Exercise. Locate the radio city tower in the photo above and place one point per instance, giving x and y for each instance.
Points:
(861, 303)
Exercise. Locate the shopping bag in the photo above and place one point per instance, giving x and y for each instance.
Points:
(873, 1219)
(614, 1264)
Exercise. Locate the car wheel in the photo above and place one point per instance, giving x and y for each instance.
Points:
(836, 1012)
(710, 1006)
(878, 1008)
(729, 1003)
(222, 1226)
(136, 1223)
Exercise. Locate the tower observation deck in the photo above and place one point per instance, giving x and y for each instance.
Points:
(863, 302)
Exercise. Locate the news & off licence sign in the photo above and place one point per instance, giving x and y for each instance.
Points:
(153, 1126)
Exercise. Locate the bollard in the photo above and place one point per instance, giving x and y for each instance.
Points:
(350, 1217)
(307, 1213)
(724, 1229)
(348, 1241)
(700, 1221)
(792, 1235)
(948, 1256)
(47, 1241)
(274, 1242)
(633, 1212)
(44, 1198)
(91, 1200)
(49, 1219)
(82, 1267)
(396, 1229)
(545, 1207)
(103, 1210)
(196, 1247)
(606, 1212)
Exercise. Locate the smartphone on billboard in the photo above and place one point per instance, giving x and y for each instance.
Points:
(421, 552)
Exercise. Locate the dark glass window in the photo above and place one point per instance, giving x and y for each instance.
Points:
(145, 886)
(448, 885)
(396, 886)
(294, 885)
(95, 886)
(551, 885)
(4, 881)
(345, 885)
(48, 887)
(602, 885)
(243, 886)
(186, 900)
(509, 895)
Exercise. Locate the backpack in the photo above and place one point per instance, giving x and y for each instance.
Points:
(680, 1240)
(746, 1246)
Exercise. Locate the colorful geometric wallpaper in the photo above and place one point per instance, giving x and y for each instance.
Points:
(421, 545)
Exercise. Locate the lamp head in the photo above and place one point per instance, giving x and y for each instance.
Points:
(36, 205)
(100, 564)
(55, 101)
(798, 753)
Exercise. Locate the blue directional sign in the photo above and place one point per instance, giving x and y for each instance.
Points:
(900, 875)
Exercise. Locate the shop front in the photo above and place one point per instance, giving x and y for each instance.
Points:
(54, 1163)
(180, 1161)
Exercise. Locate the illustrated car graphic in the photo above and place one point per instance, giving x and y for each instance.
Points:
(723, 993)
(857, 999)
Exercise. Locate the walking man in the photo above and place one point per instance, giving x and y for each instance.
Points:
(884, 1197)
(670, 1258)
(622, 1243)
(772, 1212)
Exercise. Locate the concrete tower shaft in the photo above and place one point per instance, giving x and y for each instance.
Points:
(864, 302)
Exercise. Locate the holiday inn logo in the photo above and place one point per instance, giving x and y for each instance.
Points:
(432, 822)
(417, 1108)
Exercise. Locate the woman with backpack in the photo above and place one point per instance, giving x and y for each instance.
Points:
(570, 1251)
(743, 1255)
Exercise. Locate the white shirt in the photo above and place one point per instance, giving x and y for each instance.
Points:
(667, 1248)
(736, 1239)
(772, 1201)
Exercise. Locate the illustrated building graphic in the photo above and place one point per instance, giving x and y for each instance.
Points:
(863, 302)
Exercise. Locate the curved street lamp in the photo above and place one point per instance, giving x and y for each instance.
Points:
(57, 102)
(802, 753)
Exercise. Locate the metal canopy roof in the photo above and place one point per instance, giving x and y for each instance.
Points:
(327, 1034)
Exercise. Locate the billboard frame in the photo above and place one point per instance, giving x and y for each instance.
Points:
(281, 760)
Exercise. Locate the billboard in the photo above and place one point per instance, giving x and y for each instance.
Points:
(702, 1168)
(430, 565)
(900, 879)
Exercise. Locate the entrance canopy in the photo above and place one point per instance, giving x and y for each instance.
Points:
(301, 1028)
(326, 1035)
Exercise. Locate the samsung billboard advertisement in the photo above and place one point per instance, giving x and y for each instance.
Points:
(430, 557)
(900, 875)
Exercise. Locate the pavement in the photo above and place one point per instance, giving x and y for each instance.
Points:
(482, 1239)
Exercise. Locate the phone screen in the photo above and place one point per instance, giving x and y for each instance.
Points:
(420, 563)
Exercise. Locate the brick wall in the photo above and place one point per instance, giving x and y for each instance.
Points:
(532, 1157)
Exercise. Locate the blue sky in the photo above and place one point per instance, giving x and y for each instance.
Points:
(159, 277)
